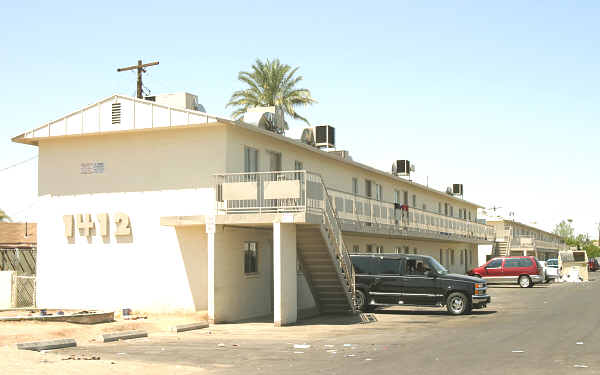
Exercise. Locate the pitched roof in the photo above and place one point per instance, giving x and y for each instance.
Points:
(18, 234)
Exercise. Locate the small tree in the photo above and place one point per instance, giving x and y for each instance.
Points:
(564, 230)
(4, 217)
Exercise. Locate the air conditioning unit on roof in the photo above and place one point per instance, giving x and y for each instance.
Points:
(324, 136)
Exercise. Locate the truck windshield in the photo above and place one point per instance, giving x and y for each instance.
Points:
(441, 270)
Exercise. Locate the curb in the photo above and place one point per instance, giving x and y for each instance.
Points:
(189, 327)
(47, 345)
(125, 335)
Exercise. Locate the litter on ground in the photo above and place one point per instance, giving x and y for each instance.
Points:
(301, 346)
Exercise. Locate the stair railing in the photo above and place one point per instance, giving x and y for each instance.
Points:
(332, 223)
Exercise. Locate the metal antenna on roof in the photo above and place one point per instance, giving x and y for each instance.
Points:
(140, 69)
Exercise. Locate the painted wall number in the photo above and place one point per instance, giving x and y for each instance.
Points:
(86, 226)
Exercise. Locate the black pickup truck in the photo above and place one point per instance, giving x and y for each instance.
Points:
(414, 280)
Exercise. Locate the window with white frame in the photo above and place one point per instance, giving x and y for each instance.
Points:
(397, 250)
(397, 196)
(369, 248)
(356, 249)
(250, 159)
(379, 249)
(250, 257)
(414, 200)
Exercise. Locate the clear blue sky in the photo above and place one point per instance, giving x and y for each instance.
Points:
(502, 98)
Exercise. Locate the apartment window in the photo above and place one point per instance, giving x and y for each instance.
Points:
(451, 211)
(415, 250)
(425, 208)
(441, 256)
(368, 188)
(250, 257)
(378, 192)
(471, 256)
(446, 209)
(452, 256)
(355, 249)
(397, 196)
(439, 207)
(380, 249)
(406, 250)
(298, 166)
(354, 185)
(250, 159)
(405, 200)
(397, 250)
(274, 161)
(462, 261)
(414, 200)
(369, 248)
(469, 215)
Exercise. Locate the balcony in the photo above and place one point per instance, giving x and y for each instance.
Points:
(300, 196)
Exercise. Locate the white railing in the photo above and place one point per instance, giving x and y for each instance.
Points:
(302, 191)
(353, 207)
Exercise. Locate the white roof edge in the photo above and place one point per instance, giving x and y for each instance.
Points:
(108, 98)
(22, 137)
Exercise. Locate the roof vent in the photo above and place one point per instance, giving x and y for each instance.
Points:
(116, 113)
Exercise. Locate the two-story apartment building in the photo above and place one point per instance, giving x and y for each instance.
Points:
(515, 238)
(159, 207)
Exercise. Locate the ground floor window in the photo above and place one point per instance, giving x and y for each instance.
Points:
(380, 249)
(250, 257)
(415, 250)
(441, 256)
(452, 256)
(406, 250)
(355, 249)
(369, 248)
(398, 250)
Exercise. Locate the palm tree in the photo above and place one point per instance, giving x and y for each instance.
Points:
(4, 216)
(271, 83)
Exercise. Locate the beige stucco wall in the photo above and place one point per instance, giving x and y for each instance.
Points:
(337, 174)
(179, 158)
(460, 265)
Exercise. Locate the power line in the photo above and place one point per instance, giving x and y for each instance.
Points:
(18, 163)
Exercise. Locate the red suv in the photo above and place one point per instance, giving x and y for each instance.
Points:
(524, 270)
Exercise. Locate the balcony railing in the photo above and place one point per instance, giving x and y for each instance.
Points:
(302, 191)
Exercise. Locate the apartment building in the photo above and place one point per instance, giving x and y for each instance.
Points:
(515, 238)
(158, 206)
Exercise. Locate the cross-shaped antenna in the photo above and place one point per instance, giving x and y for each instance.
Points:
(140, 69)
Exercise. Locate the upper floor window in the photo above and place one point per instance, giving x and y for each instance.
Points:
(356, 249)
(405, 200)
(250, 159)
(414, 200)
(378, 192)
(397, 196)
(439, 207)
(451, 211)
(424, 207)
(369, 188)
(469, 215)
(298, 165)
(379, 249)
(274, 161)
(354, 185)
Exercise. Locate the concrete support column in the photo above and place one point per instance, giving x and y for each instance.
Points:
(284, 274)
(211, 270)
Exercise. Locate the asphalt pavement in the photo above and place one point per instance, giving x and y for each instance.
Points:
(548, 329)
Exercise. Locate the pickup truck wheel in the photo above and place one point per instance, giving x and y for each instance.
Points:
(362, 304)
(458, 304)
(525, 281)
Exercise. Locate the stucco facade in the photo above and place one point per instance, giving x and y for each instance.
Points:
(132, 215)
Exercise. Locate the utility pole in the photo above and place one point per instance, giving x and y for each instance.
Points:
(140, 69)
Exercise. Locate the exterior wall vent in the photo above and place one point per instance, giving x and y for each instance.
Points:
(116, 113)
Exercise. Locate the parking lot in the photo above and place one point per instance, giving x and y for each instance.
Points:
(546, 329)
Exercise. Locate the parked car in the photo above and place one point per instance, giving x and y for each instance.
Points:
(593, 264)
(524, 270)
(552, 271)
(414, 280)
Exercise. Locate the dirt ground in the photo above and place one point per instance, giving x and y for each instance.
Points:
(27, 331)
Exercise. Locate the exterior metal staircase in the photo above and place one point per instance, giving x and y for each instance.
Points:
(502, 248)
(326, 263)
